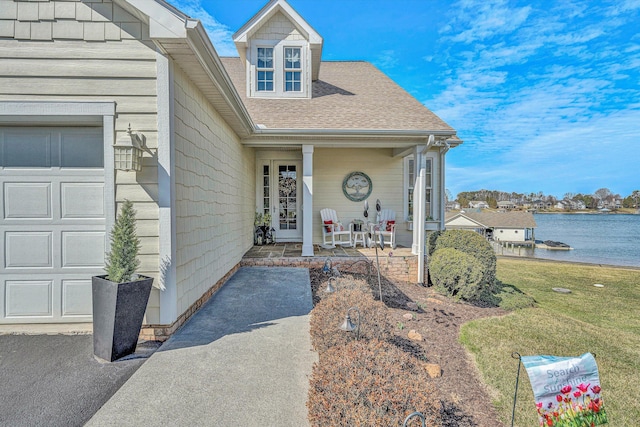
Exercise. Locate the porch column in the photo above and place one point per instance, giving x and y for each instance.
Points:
(307, 200)
(417, 156)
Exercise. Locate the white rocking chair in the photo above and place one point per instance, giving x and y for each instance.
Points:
(387, 223)
(333, 230)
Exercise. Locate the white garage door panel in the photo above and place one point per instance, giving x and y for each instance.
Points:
(27, 200)
(26, 298)
(52, 222)
(76, 298)
(25, 249)
(83, 249)
(82, 200)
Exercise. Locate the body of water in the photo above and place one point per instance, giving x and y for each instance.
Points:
(612, 239)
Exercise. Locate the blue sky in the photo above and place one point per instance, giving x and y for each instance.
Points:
(545, 94)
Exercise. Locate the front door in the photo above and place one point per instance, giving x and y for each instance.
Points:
(287, 215)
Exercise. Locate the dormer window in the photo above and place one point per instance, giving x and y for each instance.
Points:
(280, 51)
(279, 69)
(292, 69)
(264, 69)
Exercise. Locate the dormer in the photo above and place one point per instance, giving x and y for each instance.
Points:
(280, 51)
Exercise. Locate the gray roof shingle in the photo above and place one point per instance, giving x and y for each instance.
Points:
(347, 95)
(500, 219)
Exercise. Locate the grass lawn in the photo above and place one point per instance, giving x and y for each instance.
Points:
(603, 321)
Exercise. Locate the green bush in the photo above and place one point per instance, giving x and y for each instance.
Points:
(370, 384)
(457, 273)
(329, 314)
(432, 240)
(473, 244)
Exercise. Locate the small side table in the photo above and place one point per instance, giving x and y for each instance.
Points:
(360, 236)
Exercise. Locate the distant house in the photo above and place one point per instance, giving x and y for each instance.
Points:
(570, 205)
(478, 204)
(499, 226)
(452, 206)
(506, 205)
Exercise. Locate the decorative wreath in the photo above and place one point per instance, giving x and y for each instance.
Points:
(357, 186)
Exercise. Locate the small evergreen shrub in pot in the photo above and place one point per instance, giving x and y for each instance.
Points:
(457, 273)
(120, 297)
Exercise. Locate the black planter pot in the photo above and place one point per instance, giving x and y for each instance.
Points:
(118, 311)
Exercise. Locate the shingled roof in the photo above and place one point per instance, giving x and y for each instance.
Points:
(500, 219)
(347, 95)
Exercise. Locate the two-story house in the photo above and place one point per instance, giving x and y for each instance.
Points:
(275, 130)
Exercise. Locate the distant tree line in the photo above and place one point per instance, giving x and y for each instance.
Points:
(601, 197)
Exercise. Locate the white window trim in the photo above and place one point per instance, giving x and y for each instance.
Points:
(407, 185)
(278, 70)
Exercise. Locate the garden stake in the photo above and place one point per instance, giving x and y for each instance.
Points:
(515, 355)
(415, 414)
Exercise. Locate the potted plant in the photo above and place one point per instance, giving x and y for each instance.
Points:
(263, 234)
(120, 297)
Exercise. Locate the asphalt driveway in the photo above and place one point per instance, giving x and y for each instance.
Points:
(54, 380)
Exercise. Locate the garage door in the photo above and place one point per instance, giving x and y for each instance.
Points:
(52, 222)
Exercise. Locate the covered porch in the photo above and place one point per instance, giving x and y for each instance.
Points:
(398, 264)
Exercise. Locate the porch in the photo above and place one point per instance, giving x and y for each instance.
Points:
(396, 264)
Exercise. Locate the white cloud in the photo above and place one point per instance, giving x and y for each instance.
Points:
(544, 102)
(219, 33)
(387, 59)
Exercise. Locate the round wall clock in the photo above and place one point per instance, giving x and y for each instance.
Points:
(357, 186)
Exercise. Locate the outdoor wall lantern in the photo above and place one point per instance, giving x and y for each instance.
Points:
(349, 326)
(128, 152)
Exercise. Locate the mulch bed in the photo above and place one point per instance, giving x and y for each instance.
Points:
(437, 318)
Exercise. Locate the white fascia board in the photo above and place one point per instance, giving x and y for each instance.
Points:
(165, 21)
(205, 51)
(353, 133)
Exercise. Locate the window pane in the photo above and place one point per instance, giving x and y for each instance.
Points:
(25, 150)
(265, 80)
(265, 57)
(82, 151)
(293, 81)
(411, 173)
(292, 58)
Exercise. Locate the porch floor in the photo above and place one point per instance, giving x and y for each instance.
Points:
(294, 250)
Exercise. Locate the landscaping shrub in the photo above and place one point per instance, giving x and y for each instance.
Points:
(432, 240)
(370, 384)
(329, 314)
(473, 244)
(457, 273)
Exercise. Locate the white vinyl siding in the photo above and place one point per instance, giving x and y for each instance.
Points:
(121, 69)
(215, 194)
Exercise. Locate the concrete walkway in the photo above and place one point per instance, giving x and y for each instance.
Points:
(243, 359)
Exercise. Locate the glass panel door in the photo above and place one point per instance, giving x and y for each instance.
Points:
(288, 220)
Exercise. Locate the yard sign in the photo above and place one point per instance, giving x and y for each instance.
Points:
(566, 390)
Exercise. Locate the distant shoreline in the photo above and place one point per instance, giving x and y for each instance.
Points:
(586, 213)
